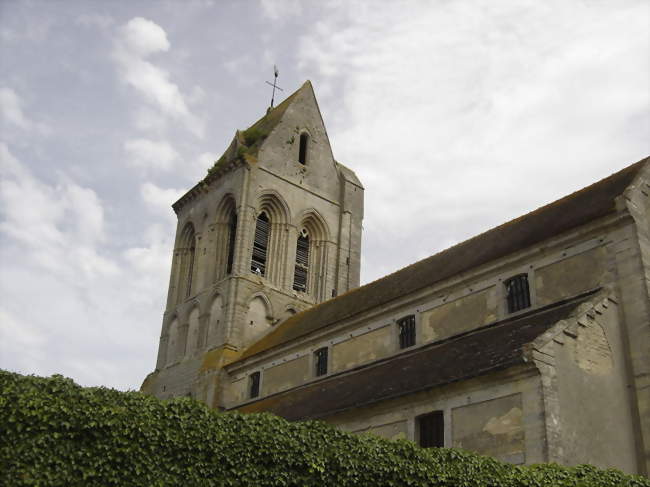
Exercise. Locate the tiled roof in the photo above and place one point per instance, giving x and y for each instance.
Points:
(478, 352)
(576, 209)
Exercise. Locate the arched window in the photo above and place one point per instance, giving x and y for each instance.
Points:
(223, 234)
(302, 151)
(232, 230)
(301, 269)
(187, 267)
(190, 269)
(260, 245)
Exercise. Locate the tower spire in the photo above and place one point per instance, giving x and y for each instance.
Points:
(274, 84)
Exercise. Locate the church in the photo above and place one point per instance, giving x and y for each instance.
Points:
(529, 342)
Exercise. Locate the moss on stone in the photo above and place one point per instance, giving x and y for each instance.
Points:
(250, 140)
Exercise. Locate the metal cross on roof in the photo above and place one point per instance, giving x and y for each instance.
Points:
(275, 83)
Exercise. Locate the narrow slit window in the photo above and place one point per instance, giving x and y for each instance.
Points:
(406, 327)
(320, 361)
(431, 430)
(302, 152)
(301, 269)
(190, 267)
(254, 385)
(260, 245)
(517, 293)
(232, 230)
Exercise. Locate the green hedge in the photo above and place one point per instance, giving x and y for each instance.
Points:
(55, 433)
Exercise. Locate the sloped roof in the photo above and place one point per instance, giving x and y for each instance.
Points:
(478, 352)
(272, 118)
(576, 209)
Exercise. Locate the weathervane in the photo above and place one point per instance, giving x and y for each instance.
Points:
(275, 83)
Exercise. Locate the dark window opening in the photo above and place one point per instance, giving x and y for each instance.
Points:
(406, 327)
(517, 293)
(431, 430)
(190, 269)
(260, 245)
(254, 385)
(320, 361)
(232, 230)
(302, 153)
(302, 263)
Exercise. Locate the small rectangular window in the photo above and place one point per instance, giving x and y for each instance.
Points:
(302, 152)
(431, 430)
(406, 328)
(517, 293)
(320, 361)
(254, 385)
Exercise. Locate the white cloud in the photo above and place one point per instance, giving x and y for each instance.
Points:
(143, 37)
(159, 199)
(61, 224)
(278, 10)
(148, 120)
(95, 21)
(11, 112)
(451, 110)
(198, 168)
(149, 154)
(137, 40)
(70, 305)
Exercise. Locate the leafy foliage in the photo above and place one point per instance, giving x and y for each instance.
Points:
(53, 432)
(250, 140)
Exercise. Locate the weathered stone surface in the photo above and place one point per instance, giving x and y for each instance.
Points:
(570, 276)
(459, 316)
(286, 375)
(369, 346)
(493, 427)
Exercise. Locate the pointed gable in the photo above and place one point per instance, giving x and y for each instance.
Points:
(274, 139)
(295, 144)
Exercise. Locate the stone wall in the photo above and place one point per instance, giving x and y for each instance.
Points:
(499, 415)
(453, 308)
(587, 399)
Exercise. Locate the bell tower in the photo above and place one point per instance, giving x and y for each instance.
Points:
(274, 228)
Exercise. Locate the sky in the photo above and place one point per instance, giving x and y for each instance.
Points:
(457, 116)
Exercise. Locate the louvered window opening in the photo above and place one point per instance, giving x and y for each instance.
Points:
(320, 361)
(406, 331)
(302, 152)
(517, 293)
(260, 245)
(232, 230)
(254, 381)
(302, 264)
(432, 430)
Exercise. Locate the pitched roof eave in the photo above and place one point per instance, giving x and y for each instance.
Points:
(576, 209)
(495, 347)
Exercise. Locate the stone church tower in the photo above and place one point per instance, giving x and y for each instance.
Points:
(274, 228)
